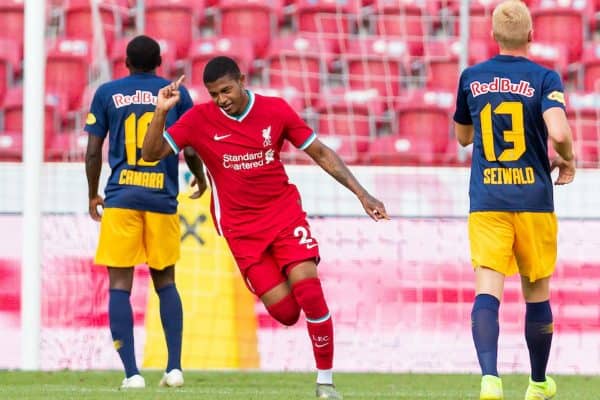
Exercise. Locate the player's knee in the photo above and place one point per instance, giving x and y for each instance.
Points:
(310, 297)
(286, 311)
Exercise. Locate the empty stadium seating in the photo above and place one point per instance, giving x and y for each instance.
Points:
(12, 21)
(584, 117)
(202, 50)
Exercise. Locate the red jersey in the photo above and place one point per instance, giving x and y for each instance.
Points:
(250, 188)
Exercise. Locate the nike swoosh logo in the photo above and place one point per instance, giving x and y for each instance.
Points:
(217, 137)
(317, 345)
(310, 246)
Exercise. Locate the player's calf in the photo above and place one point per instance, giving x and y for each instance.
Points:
(286, 311)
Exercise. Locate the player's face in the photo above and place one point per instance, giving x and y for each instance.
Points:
(229, 94)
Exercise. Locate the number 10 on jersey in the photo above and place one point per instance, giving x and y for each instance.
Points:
(135, 132)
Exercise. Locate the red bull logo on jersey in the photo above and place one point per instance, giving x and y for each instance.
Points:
(140, 97)
(501, 85)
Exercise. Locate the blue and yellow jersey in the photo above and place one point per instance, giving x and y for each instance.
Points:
(124, 108)
(504, 99)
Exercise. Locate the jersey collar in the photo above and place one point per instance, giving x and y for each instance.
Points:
(246, 111)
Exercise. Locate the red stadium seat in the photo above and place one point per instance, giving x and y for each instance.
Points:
(174, 21)
(422, 135)
(12, 108)
(290, 94)
(12, 21)
(118, 55)
(11, 146)
(329, 20)
(67, 70)
(550, 55)
(377, 63)
(66, 146)
(253, 19)
(202, 50)
(79, 21)
(583, 112)
(442, 61)
(9, 62)
(199, 94)
(480, 22)
(562, 26)
(590, 67)
(402, 20)
(351, 115)
(298, 61)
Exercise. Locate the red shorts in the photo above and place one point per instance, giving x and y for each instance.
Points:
(264, 256)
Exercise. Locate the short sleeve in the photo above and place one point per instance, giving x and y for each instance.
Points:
(462, 114)
(96, 121)
(295, 129)
(178, 134)
(552, 92)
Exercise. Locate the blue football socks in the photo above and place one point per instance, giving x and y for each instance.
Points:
(485, 329)
(538, 334)
(171, 316)
(120, 315)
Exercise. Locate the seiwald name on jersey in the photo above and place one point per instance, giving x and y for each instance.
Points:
(250, 188)
(124, 108)
(504, 99)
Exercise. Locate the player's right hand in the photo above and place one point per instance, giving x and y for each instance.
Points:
(566, 170)
(169, 95)
(96, 204)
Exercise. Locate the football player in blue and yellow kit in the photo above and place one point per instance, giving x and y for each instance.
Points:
(507, 107)
(139, 222)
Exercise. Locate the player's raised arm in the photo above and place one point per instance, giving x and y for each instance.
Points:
(334, 166)
(155, 146)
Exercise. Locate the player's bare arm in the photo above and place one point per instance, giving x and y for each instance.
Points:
(334, 166)
(155, 146)
(562, 142)
(194, 163)
(93, 167)
(464, 134)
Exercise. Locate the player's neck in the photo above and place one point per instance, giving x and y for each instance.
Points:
(521, 52)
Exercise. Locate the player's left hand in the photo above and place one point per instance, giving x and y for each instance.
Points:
(96, 204)
(201, 187)
(374, 208)
(566, 170)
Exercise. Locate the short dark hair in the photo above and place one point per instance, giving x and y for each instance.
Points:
(143, 53)
(219, 67)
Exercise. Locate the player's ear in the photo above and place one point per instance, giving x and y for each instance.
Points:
(530, 36)
(127, 63)
(242, 80)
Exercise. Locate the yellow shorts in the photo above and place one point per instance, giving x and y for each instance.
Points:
(132, 237)
(511, 242)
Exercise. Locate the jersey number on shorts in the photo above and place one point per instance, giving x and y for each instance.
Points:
(135, 132)
(305, 239)
(516, 136)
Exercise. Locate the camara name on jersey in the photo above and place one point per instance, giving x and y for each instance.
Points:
(501, 85)
(140, 97)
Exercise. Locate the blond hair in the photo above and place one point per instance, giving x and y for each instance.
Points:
(511, 24)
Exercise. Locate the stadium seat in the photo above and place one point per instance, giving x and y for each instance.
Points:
(298, 61)
(571, 33)
(330, 20)
(67, 69)
(401, 20)
(79, 21)
(66, 146)
(290, 94)
(202, 50)
(174, 21)
(9, 62)
(10, 285)
(12, 21)
(118, 55)
(254, 19)
(377, 63)
(550, 55)
(590, 68)
(442, 61)
(12, 108)
(583, 112)
(480, 21)
(422, 133)
(11, 146)
(198, 93)
(351, 115)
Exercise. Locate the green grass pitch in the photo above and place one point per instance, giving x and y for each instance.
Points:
(93, 385)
